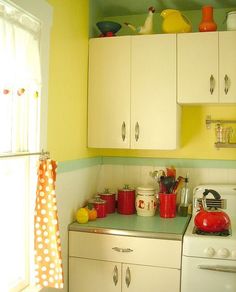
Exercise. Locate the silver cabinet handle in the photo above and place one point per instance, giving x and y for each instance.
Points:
(120, 249)
(127, 277)
(123, 131)
(136, 131)
(226, 83)
(115, 275)
(212, 84)
(218, 268)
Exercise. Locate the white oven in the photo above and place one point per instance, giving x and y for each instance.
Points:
(209, 260)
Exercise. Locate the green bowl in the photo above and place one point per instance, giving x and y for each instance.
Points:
(108, 26)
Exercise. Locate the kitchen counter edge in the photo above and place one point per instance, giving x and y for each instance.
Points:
(121, 232)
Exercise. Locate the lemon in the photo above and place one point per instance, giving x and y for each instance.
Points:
(82, 215)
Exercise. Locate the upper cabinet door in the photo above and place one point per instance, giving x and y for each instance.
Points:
(154, 114)
(197, 65)
(109, 93)
(227, 66)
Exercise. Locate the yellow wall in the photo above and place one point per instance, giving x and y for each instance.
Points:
(67, 117)
(67, 101)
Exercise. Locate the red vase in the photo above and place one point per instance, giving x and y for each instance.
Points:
(207, 23)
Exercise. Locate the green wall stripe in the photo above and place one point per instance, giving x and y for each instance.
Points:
(72, 165)
(177, 162)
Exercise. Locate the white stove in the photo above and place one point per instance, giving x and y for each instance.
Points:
(209, 261)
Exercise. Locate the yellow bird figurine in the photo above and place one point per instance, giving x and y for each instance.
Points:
(175, 22)
(147, 27)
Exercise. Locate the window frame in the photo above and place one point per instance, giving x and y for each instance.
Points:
(41, 10)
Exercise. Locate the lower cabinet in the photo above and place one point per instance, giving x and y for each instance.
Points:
(94, 275)
(107, 263)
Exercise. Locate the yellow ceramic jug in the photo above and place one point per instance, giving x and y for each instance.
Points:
(174, 22)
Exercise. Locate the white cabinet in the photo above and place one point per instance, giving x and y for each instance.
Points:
(86, 275)
(227, 67)
(206, 67)
(132, 93)
(154, 109)
(109, 92)
(122, 263)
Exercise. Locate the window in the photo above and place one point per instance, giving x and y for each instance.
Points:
(24, 34)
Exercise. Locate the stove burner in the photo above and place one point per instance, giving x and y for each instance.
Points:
(220, 233)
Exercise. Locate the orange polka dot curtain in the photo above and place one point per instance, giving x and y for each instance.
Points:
(47, 242)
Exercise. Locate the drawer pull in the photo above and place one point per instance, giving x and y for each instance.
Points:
(127, 277)
(115, 275)
(120, 249)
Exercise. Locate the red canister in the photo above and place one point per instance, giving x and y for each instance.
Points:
(100, 206)
(110, 198)
(126, 201)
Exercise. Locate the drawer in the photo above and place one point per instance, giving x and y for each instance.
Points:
(125, 249)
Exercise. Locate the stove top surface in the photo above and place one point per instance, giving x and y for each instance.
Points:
(210, 245)
(219, 233)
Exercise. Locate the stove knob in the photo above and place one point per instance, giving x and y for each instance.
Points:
(223, 252)
(233, 253)
(209, 251)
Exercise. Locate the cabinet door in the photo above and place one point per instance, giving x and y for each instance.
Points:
(109, 93)
(137, 278)
(91, 275)
(154, 114)
(227, 66)
(197, 67)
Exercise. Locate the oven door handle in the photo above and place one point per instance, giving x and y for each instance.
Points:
(218, 268)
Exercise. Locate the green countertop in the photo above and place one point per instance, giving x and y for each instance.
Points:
(138, 226)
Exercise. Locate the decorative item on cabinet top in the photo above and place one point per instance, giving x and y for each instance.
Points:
(147, 27)
(175, 22)
(231, 20)
(108, 28)
(207, 23)
(224, 135)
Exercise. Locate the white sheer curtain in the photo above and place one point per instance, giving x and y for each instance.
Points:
(20, 80)
(20, 93)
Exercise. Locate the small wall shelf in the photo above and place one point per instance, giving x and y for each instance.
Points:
(225, 145)
(218, 145)
(209, 121)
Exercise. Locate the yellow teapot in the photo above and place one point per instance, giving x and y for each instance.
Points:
(174, 22)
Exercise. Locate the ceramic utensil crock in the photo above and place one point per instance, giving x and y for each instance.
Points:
(146, 201)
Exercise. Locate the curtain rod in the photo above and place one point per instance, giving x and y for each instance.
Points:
(18, 154)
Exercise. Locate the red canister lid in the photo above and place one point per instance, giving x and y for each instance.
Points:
(126, 189)
(99, 201)
(107, 193)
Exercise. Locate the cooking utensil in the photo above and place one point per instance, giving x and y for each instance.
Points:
(209, 220)
(168, 183)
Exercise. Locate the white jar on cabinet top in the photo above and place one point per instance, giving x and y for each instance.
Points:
(231, 20)
(146, 201)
